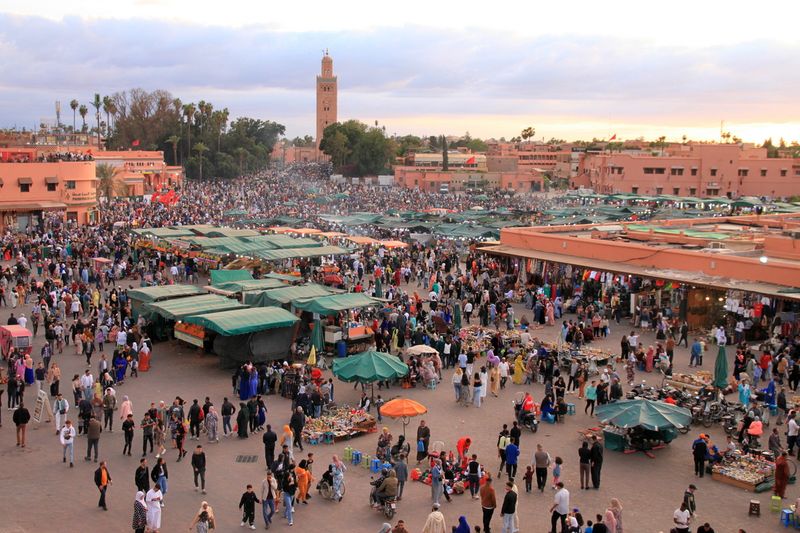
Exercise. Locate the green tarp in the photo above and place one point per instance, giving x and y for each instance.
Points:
(225, 276)
(231, 232)
(328, 305)
(292, 253)
(163, 292)
(243, 321)
(644, 413)
(285, 295)
(284, 277)
(249, 285)
(240, 247)
(370, 366)
(179, 308)
(163, 233)
(284, 241)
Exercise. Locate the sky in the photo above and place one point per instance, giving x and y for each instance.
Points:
(573, 70)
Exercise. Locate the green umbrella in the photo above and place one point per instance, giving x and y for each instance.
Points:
(316, 336)
(369, 366)
(457, 315)
(721, 368)
(644, 413)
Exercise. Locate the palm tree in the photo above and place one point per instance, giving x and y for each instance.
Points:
(527, 133)
(223, 124)
(174, 140)
(73, 104)
(83, 112)
(200, 148)
(241, 153)
(189, 111)
(108, 183)
(107, 104)
(97, 103)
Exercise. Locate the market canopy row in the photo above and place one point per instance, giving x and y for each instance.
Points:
(328, 305)
(244, 321)
(180, 308)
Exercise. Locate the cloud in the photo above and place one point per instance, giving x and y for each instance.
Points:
(394, 72)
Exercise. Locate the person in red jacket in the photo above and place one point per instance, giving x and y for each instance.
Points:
(462, 447)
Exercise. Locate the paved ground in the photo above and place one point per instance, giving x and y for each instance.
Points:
(39, 491)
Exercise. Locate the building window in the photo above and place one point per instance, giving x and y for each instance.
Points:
(635, 190)
(51, 187)
(659, 190)
(712, 192)
(694, 172)
(69, 185)
(783, 172)
(24, 187)
(713, 171)
(654, 170)
(763, 172)
(676, 191)
(676, 171)
(743, 172)
(692, 191)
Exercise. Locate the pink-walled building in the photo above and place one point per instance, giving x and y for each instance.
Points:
(142, 171)
(700, 170)
(455, 181)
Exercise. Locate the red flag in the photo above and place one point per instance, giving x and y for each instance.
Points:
(135, 142)
(613, 137)
(471, 160)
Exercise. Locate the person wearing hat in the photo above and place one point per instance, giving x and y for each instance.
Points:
(699, 451)
(435, 522)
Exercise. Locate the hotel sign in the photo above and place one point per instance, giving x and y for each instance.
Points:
(80, 196)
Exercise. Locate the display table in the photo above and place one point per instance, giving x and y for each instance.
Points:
(747, 472)
(342, 423)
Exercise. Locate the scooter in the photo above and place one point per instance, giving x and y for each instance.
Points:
(529, 420)
(389, 506)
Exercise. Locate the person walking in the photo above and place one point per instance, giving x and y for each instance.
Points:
(289, 488)
(269, 491)
(21, 417)
(155, 501)
(509, 509)
(297, 422)
(93, 438)
(560, 508)
(270, 438)
(148, 427)
(211, 422)
(139, 521)
(160, 475)
(103, 480)
(60, 410)
(142, 476)
(109, 405)
(67, 438)
(591, 397)
(199, 468)
(541, 461)
(247, 503)
(512, 455)
(195, 417)
(228, 409)
(596, 462)
(127, 433)
(401, 471)
(584, 463)
(488, 503)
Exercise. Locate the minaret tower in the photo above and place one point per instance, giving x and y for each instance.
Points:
(326, 97)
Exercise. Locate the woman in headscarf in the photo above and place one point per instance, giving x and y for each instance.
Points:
(519, 370)
(204, 508)
(610, 521)
(338, 471)
(463, 526)
(242, 420)
(125, 409)
(30, 378)
(485, 382)
(304, 480)
(211, 422)
(121, 366)
(616, 510)
(386, 528)
(287, 439)
(649, 358)
(139, 513)
(781, 474)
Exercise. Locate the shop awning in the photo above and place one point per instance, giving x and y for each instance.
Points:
(328, 305)
(285, 295)
(243, 321)
(30, 206)
(163, 292)
(51, 180)
(690, 278)
(224, 276)
(249, 285)
(180, 308)
(24, 181)
(292, 253)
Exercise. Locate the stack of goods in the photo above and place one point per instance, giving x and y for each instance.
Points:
(749, 472)
(698, 380)
(475, 339)
(342, 423)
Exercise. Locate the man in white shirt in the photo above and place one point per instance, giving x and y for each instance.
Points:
(122, 337)
(67, 437)
(60, 410)
(791, 433)
(87, 382)
(22, 321)
(681, 518)
(722, 339)
(560, 508)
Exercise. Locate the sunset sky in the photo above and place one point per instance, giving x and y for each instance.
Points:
(572, 70)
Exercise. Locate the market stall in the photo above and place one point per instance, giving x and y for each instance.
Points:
(357, 336)
(749, 472)
(158, 293)
(692, 382)
(340, 424)
(166, 313)
(641, 425)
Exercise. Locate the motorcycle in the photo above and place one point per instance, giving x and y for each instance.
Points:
(389, 506)
(528, 420)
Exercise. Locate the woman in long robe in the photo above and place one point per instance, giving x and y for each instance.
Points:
(423, 437)
(121, 366)
(244, 384)
(242, 420)
(338, 471)
(494, 380)
(781, 475)
(519, 370)
(253, 383)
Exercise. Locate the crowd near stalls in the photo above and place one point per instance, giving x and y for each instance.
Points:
(216, 266)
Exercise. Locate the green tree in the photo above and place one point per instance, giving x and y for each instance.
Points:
(73, 104)
(188, 111)
(371, 153)
(200, 149)
(97, 103)
(527, 133)
(241, 154)
(408, 143)
(83, 112)
(174, 140)
(445, 160)
(335, 145)
(108, 182)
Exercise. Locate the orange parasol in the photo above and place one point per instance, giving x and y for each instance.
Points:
(404, 409)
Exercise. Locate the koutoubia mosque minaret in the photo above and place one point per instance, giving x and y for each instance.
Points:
(326, 97)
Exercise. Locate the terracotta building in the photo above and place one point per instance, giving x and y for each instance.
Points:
(35, 186)
(327, 97)
(552, 160)
(700, 170)
(142, 171)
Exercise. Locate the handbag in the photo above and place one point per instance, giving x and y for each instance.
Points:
(420, 445)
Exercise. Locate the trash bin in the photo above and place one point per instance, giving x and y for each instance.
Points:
(341, 348)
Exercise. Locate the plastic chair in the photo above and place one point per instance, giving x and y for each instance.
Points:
(348, 453)
(328, 437)
(375, 465)
(775, 503)
(787, 518)
(356, 457)
(570, 408)
(365, 461)
(755, 508)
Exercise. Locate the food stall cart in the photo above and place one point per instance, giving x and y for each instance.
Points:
(641, 425)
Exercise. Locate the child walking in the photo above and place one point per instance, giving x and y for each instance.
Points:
(528, 478)
(557, 471)
(248, 506)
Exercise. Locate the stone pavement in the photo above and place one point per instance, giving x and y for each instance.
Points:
(41, 494)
